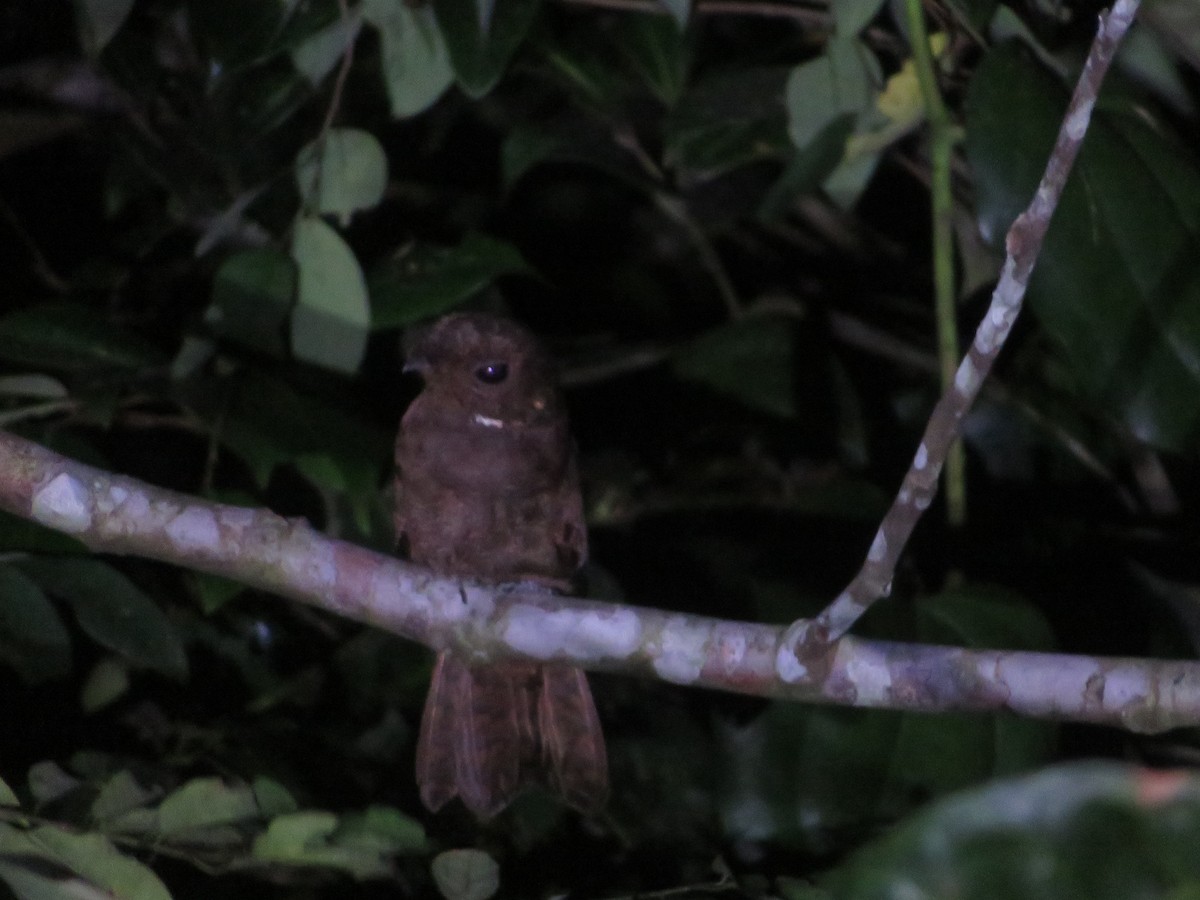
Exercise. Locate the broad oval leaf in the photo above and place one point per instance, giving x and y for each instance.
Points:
(7, 796)
(799, 774)
(93, 857)
(1092, 829)
(106, 683)
(729, 119)
(416, 63)
(430, 280)
(290, 837)
(1117, 282)
(823, 89)
(33, 639)
(466, 874)
(852, 16)
(253, 293)
(113, 612)
(205, 802)
(33, 385)
(332, 316)
(120, 795)
(98, 21)
(316, 56)
(481, 45)
(71, 336)
(342, 173)
(752, 360)
(383, 829)
(308, 838)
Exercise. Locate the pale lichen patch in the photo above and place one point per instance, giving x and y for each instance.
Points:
(867, 669)
(966, 379)
(589, 635)
(63, 504)
(922, 458)
(788, 665)
(879, 547)
(682, 651)
(313, 569)
(195, 528)
(238, 517)
(731, 646)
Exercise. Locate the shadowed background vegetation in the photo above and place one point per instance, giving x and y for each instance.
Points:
(217, 216)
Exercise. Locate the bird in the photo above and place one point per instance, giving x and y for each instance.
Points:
(487, 488)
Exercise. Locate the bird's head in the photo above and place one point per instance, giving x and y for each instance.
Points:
(489, 366)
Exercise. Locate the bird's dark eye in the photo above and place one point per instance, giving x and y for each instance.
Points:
(492, 373)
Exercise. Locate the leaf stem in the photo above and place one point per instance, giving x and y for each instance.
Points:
(942, 137)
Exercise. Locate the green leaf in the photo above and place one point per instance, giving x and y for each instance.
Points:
(253, 293)
(807, 169)
(121, 794)
(416, 63)
(798, 774)
(980, 615)
(205, 802)
(1116, 284)
(107, 682)
(332, 316)
(430, 280)
(22, 534)
(572, 139)
(852, 16)
(273, 798)
(213, 591)
(7, 796)
(48, 782)
(99, 20)
(291, 836)
(33, 639)
(752, 361)
(234, 32)
(656, 48)
(974, 14)
(382, 829)
(71, 336)
(679, 10)
(316, 56)
(823, 89)
(1099, 830)
(26, 881)
(466, 874)
(342, 173)
(479, 50)
(729, 119)
(33, 385)
(304, 839)
(267, 424)
(113, 612)
(94, 858)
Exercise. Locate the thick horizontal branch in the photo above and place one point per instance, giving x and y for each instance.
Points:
(114, 514)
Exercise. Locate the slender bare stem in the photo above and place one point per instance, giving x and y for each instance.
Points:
(806, 642)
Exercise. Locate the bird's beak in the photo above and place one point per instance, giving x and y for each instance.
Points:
(415, 364)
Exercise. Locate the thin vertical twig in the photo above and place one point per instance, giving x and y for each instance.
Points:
(942, 137)
(805, 648)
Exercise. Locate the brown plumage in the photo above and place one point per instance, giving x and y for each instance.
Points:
(486, 487)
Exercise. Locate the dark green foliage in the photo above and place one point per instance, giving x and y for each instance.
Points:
(720, 223)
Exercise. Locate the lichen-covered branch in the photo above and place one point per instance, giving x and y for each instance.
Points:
(806, 640)
(114, 514)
